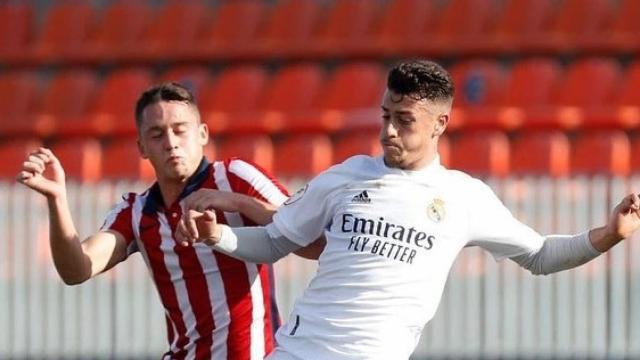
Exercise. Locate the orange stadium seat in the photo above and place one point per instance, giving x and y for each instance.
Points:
(483, 153)
(236, 92)
(303, 155)
(19, 92)
(234, 24)
(15, 30)
(517, 24)
(339, 94)
(388, 36)
(291, 92)
(479, 88)
(356, 143)
(588, 85)
(338, 105)
(623, 33)
(65, 104)
(134, 168)
(114, 106)
(64, 32)
(293, 88)
(573, 26)
(255, 148)
(341, 33)
(635, 154)
(172, 34)
(193, 77)
(529, 90)
(287, 30)
(13, 153)
(541, 153)
(532, 83)
(627, 99)
(119, 31)
(81, 159)
(458, 26)
(602, 152)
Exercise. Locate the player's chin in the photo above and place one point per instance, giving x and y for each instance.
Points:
(393, 159)
(177, 171)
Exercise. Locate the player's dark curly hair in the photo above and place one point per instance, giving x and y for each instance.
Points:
(421, 79)
(169, 91)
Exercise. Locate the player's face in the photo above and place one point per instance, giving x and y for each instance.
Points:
(172, 138)
(410, 130)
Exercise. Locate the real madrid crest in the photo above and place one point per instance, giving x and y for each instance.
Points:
(436, 211)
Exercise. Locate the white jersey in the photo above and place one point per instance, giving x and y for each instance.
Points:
(392, 236)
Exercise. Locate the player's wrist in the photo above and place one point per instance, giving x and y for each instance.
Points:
(56, 196)
(604, 238)
(214, 238)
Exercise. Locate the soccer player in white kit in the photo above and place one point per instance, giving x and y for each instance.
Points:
(393, 226)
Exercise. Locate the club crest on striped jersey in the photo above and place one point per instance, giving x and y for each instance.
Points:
(436, 211)
(297, 196)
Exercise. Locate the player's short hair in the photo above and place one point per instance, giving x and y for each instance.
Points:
(420, 80)
(170, 91)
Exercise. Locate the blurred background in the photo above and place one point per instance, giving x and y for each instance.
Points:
(547, 110)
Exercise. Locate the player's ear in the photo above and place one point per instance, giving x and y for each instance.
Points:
(440, 125)
(203, 134)
(141, 149)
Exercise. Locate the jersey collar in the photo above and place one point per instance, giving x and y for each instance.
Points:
(154, 201)
(430, 169)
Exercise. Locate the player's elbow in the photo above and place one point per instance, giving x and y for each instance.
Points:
(538, 271)
(73, 279)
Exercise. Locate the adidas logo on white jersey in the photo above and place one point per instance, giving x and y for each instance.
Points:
(363, 198)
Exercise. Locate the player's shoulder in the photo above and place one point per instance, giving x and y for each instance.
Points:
(464, 182)
(352, 169)
(237, 162)
(355, 165)
(242, 167)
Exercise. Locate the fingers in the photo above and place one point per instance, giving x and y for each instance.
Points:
(630, 203)
(52, 159)
(190, 222)
(187, 229)
(635, 201)
(33, 167)
(182, 234)
(24, 176)
(37, 161)
(209, 215)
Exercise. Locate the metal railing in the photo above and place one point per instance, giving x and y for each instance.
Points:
(488, 309)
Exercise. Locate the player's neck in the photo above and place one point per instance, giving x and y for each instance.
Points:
(171, 190)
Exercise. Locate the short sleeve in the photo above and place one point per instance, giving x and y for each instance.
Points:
(495, 229)
(250, 179)
(120, 219)
(305, 215)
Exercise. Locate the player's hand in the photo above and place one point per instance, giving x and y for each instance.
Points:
(196, 226)
(32, 174)
(625, 218)
(206, 199)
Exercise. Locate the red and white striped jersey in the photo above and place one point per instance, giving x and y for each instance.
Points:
(216, 307)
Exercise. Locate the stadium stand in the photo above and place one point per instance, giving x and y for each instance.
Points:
(537, 97)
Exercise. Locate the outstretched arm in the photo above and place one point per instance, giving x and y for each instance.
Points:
(258, 211)
(259, 244)
(564, 252)
(75, 261)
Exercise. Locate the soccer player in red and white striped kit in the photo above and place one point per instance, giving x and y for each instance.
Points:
(216, 307)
